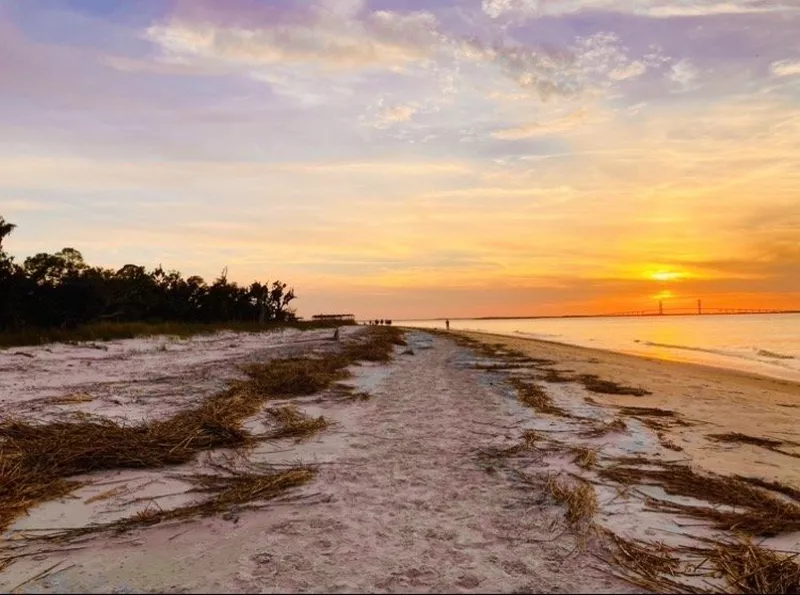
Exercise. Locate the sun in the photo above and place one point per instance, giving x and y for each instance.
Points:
(666, 276)
(664, 295)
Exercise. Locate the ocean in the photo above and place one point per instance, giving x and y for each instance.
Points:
(766, 344)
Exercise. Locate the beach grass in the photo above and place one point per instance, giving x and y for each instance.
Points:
(294, 424)
(38, 460)
(607, 387)
(107, 331)
(580, 499)
(534, 396)
(584, 457)
(736, 505)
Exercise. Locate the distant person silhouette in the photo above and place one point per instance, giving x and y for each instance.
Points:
(447, 324)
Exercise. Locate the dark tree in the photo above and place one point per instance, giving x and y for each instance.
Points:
(60, 289)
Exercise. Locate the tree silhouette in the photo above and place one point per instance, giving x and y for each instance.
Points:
(62, 290)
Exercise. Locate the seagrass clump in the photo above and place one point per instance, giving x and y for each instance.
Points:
(294, 424)
(750, 568)
(736, 505)
(649, 565)
(534, 396)
(580, 499)
(732, 565)
(599, 430)
(584, 457)
(378, 347)
(295, 376)
(737, 438)
(607, 387)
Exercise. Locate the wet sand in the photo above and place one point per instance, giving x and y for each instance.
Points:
(715, 400)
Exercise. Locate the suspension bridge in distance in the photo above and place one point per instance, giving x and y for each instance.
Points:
(699, 310)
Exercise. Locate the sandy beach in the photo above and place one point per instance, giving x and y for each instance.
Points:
(440, 480)
(715, 400)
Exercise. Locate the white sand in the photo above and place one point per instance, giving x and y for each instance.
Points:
(136, 379)
(401, 504)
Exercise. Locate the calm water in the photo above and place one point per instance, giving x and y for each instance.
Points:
(764, 344)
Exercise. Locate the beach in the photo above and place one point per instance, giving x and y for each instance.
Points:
(716, 400)
(453, 466)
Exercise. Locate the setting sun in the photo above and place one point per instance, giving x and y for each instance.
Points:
(667, 276)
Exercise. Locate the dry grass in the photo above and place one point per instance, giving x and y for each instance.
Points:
(584, 457)
(379, 346)
(597, 385)
(534, 396)
(72, 399)
(749, 568)
(580, 499)
(738, 438)
(294, 424)
(528, 442)
(648, 412)
(37, 460)
(751, 510)
(618, 425)
(501, 367)
(107, 495)
(775, 486)
(644, 564)
(295, 376)
(531, 437)
(229, 489)
(555, 376)
(667, 443)
(740, 565)
(768, 443)
(107, 331)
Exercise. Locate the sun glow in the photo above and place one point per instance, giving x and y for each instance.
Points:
(667, 276)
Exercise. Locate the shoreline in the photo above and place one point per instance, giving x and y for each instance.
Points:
(715, 401)
(743, 374)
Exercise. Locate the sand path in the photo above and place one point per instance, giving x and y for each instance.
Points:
(406, 506)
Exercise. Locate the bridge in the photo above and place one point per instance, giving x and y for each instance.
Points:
(699, 310)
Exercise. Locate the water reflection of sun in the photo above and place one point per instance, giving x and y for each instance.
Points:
(664, 295)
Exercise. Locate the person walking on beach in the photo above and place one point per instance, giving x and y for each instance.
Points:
(447, 324)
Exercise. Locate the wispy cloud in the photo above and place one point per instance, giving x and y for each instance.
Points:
(785, 68)
(652, 8)
(533, 129)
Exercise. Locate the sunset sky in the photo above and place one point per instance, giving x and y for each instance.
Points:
(404, 159)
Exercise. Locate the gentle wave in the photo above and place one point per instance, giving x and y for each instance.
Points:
(537, 335)
(772, 354)
(760, 352)
(689, 348)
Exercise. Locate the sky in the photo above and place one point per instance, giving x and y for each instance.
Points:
(413, 159)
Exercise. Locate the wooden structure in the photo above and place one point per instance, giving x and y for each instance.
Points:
(347, 317)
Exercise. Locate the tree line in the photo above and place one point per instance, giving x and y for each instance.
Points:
(61, 290)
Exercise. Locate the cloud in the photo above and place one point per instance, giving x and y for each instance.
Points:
(318, 42)
(785, 68)
(327, 36)
(533, 129)
(652, 8)
(629, 71)
(396, 114)
(684, 73)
